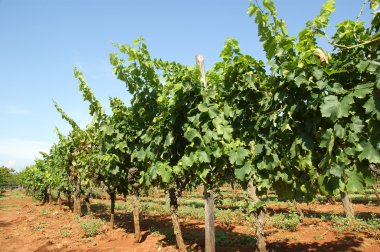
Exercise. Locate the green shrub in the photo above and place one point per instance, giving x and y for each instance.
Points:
(285, 221)
(91, 226)
(342, 224)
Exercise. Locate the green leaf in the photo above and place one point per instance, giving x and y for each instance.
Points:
(191, 133)
(370, 153)
(318, 73)
(203, 107)
(115, 170)
(227, 133)
(164, 172)
(240, 173)
(169, 139)
(336, 170)
(204, 174)
(373, 66)
(329, 185)
(372, 106)
(374, 4)
(258, 149)
(362, 65)
(326, 138)
(321, 84)
(357, 124)
(334, 109)
(337, 89)
(361, 91)
(355, 183)
(339, 131)
(237, 156)
(187, 161)
(203, 157)
(269, 5)
(253, 207)
(252, 9)
(300, 79)
(213, 112)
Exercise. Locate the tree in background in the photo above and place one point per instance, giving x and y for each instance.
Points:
(8, 176)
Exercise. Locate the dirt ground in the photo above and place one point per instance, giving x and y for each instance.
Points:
(27, 226)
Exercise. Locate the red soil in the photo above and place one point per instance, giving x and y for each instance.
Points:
(27, 226)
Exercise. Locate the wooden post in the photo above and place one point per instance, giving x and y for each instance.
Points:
(209, 220)
(201, 63)
(208, 192)
(136, 219)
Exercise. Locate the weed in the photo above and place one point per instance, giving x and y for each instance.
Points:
(154, 208)
(17, 194)
(66, 232)
(45, 211)
(285, 221)
(91, 226)
(227, 217)
(123, 206)
(223, 238)
(168, 232)
(101, 207)
(191, 213)
(342, 224)
(76, 217)
(85, 239)
(195, 203)
(40, 228)
(319, 237)
(4, 206)
(154, 231)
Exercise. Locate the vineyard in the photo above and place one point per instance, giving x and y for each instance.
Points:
(282, 155)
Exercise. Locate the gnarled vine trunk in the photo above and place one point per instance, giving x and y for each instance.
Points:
(46, 196)
(136, 218)
(113, 199)
(234, 191)
(259, 216)
(298, 209)
(155, 192)
(59, 200)
(347, 205)
(50, 196)
(77, 203)
(331, 199)
(69, 202)
(175, 220)
(87, 201)
(376, 192)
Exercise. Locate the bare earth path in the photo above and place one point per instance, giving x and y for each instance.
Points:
(27, 226)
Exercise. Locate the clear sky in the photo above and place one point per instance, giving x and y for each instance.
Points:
(41, 41)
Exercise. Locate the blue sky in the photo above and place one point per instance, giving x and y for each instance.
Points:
(41, 41)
